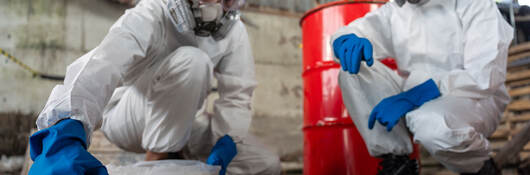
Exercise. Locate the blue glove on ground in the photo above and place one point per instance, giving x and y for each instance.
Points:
(390, 110)
(61, 149)
(222, 153)
(351, 50)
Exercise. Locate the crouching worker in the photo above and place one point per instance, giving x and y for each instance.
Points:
(144, 85)
(448, 91)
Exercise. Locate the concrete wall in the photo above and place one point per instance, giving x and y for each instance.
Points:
(278, 97)
(50, 34)
(47, 36)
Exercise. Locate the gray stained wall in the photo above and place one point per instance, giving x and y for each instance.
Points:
(50, 34)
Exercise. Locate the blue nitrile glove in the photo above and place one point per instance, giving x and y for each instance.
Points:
(351, 50)
(391, 109)
(61, 149)
(222, 153)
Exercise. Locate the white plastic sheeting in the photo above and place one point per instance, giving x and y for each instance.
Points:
(165, 167)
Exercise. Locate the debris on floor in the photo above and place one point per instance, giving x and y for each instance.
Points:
(11, 164)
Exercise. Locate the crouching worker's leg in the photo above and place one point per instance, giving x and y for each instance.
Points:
(454, 130)
(252, 158)
(361, 93)
(155, 114)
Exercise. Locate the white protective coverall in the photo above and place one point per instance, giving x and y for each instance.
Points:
(462, 45)
(145, 83)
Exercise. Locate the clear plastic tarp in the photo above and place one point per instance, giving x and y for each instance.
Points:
(165, 167)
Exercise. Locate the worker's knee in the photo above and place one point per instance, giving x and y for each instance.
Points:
(186, 65)
(345, 80)
(432, 131)
(191, 58)
(254, 159)
(458, 149)
(349, 83)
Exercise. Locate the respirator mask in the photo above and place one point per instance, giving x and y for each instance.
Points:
(402, 2)
(204, 17)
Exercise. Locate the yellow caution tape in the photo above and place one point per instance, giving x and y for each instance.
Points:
(12, 58)
(26, 67)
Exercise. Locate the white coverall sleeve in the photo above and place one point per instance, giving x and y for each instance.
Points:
(91, 79)
(236, 83)
(487, 37)
(374, 26)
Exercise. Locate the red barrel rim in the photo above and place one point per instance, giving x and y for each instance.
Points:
(331, 4)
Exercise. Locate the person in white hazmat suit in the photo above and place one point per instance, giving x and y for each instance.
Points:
(448, 91)
(144, 85)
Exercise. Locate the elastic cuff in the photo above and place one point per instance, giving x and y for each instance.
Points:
(88, 128)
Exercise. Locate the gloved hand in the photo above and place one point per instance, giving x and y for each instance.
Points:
(61, 149)
(390, 110)
(351, 50)
(222, 153)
